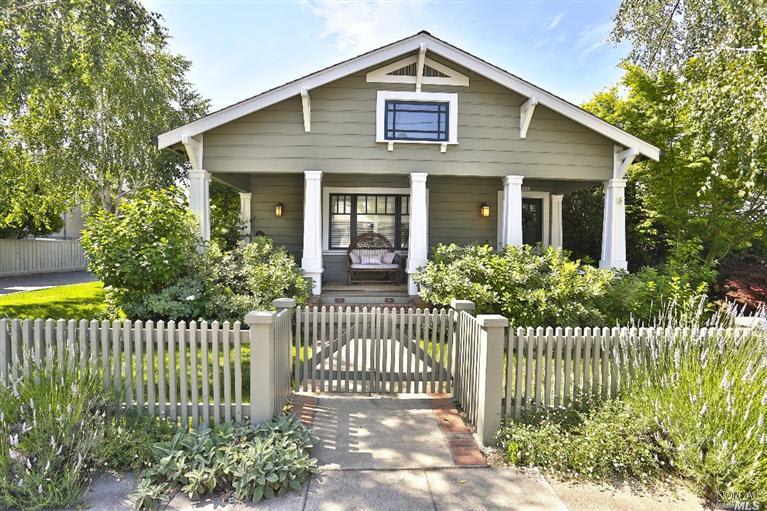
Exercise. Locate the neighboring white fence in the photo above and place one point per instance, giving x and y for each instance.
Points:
(20, 257)
(177, 370)
(381, 349)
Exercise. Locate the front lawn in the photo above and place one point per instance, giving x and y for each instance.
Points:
(76, 301)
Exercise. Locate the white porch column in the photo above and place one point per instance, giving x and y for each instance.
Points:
(199, 200)
(311, 262)
(614, 226)
(556, 220)
(512, 211)
(418, 243)
(245, 212)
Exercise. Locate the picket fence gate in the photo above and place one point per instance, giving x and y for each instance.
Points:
(377, 349)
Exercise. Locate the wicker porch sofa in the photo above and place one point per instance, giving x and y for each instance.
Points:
(373, 253)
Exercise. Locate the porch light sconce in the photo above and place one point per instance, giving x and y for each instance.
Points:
(484, 210)
(278, 209)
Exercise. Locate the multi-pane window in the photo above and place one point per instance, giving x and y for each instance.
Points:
(416, 120)
(354, 214)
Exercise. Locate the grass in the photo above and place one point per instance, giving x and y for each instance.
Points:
(76, 301)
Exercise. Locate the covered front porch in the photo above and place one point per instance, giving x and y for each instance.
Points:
(318, 213)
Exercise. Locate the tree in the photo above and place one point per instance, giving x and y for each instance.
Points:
(688, 194)
(85, 86)
(697, 90)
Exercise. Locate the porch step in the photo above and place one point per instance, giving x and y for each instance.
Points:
(363, 300)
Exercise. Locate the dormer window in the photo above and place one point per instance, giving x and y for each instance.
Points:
(417, 120)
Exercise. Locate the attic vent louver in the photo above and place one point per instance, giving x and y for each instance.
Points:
(405, 71)
(410, 70)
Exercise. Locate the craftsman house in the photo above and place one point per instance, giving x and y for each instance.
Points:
(418, 142)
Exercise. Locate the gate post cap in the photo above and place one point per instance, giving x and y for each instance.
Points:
(462, 305)
(284, 303)
(259, 317)
(492, 321)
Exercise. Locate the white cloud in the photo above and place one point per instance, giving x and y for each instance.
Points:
(593, 37)
(361, 26)
(551, 25)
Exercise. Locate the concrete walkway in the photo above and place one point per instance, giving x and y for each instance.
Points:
(383, 452)
(21, 283)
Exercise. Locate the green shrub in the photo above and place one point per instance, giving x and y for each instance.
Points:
(697, 407)
(252, 462)
(129, 437)
(145, 245)
(602, 441)
(51, 430)
(225, 222)
(681, 282)
(531, 286)
(224, 285)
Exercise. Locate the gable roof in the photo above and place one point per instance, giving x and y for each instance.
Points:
(394, 50)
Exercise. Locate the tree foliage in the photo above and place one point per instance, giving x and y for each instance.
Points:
(697, 89)
(85, 85)
(225, 223)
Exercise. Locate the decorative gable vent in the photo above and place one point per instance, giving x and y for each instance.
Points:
(406, 71)
(411, 70)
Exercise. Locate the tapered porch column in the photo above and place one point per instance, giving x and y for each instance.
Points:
(556, 220)
(199, 200)
(511, 234)
(614, 226)
(311, 262)
(417, 244)
(245, 212)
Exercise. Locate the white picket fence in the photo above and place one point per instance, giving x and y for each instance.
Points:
(342, 349)
(20, 257)
(187, 371)
(209, 373)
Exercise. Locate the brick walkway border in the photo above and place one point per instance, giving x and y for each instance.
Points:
(459, 438)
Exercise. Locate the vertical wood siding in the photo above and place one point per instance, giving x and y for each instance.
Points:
(20, 257)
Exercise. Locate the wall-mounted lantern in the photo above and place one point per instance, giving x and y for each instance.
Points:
(484, 210)
(278, 209)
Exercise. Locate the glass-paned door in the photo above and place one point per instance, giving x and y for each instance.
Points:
(532, 221)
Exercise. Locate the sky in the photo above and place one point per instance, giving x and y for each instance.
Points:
(240, 48)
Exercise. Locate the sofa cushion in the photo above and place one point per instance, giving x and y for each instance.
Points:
(379, 266)
(354, 255)
(388, 258)
(370, 257)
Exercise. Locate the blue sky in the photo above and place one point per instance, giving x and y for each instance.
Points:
(241, 48)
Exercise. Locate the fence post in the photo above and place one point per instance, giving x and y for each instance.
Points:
(462, 305)
(457, 362)
(261, 324)
(490, 384)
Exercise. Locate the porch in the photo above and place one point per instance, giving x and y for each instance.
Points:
(316, 215)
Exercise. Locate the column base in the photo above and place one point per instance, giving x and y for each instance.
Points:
(316, 277)
(617, 265)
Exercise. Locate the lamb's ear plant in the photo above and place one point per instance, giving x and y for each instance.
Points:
(254, 462)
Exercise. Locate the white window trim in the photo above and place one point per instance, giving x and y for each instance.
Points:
(546, 196)
(326, 191)
(434, 97)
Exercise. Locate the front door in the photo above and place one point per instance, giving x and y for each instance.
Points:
(532, 221)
